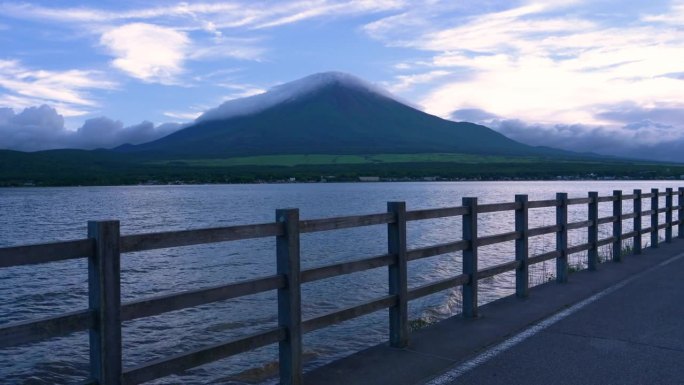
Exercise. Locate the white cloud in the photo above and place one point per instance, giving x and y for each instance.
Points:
(42, 128)
(68, 89)
(207, 16)
(549, 63)
(183, 115)
(219, 48)
(154, 43)
(147, 52)
(674, 16)
(404, 82)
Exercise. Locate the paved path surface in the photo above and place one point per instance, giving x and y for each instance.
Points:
(623, 324)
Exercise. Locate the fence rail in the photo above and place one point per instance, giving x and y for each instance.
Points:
(104, 246)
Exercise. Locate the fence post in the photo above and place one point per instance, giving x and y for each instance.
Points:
(637, 221)
(470, 258)
(562, 237)
(592, 236)
(680, 213)
(617, 226)
(654, 218)
(104, 300)
(521, 247)
(668, 215)
(289, 298)
(398, 279)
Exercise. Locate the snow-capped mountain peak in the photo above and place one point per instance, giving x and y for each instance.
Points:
(285, 92)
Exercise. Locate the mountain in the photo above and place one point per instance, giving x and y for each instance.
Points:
(328, 113)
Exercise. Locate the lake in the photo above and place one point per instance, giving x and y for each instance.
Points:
(37, 215)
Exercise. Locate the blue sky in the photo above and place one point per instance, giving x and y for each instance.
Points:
(602, 75)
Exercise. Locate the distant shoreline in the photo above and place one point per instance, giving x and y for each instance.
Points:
(389, 180)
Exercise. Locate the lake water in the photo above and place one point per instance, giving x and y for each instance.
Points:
(37, 215)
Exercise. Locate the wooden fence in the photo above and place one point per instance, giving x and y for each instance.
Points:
(104, 246)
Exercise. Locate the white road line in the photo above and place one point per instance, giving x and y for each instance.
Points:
(487, 355)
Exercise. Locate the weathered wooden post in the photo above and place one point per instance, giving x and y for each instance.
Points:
(104, 301)
(654, 217)
(522, 275)
(470, 258)
(668, 215)
(562, 237)
(289, 298)
(617, 225)
(398, 275)
(637, 221)
(592, 235)
(680, 212)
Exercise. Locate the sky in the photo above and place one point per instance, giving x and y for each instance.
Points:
(603, 76)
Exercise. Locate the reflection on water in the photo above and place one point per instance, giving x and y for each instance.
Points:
(34, 215)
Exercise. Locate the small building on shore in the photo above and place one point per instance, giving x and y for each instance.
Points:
(369, 179)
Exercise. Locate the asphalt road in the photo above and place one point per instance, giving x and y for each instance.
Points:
(632, 335)
(622, 324)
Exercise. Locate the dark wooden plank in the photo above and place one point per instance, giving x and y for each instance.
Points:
(662, 194)
(628, 216)
(41, 329)
(342, 315)
(637, 221)
(498, 238)
(605, 241)
(169, 302)
(184, 361)
(578, 201)
(604, 220)
(522, 275)
(151, 241)
(431, 251)
(342, 268)
(654, 217)
(543, 257)
(398, 275)
(542, 230)
(680, 212)
(628, 197)
(617, 226)
(496, 207)
(578, 248)
(434, 287)
(668, 215)
(497, 269)
(441, 212)
(327, 224)
(562, 238)
(592, 232)
(628, 235)
(662, 226)
(646, 213)
(46, 252)
(646, 195)
(543, 203)
(662, 210)
(469, 229)
(104, 300)
(646, 230)
(578, 225)
(608, 198)
(289, 297)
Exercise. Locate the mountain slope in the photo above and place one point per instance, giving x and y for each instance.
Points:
(329, 113)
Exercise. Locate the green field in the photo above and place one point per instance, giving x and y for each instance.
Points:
(78, 167)
(323, 159)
